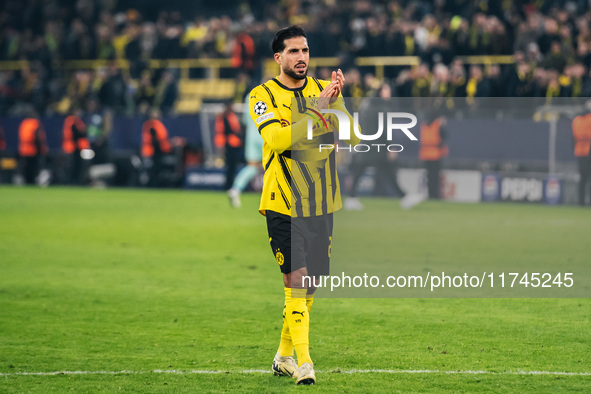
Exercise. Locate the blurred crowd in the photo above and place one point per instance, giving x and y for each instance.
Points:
(549, 42)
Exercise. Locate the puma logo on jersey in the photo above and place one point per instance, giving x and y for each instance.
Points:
(297, 313)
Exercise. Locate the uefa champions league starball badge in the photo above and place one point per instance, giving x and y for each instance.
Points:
(260, 108)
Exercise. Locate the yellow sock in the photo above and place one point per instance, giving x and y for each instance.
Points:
(285, 346)
(309, 301)
(297, 316)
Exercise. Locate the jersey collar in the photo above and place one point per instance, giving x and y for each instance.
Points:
(282, 86)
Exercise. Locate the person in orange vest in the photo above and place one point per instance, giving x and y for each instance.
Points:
(432, 150)
(229, 139)
(155, 145)
(244, 53)
(73, 143)
(582, 141)
(32, 147)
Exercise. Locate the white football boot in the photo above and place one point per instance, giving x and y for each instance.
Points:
(285, 366)
(306, 374)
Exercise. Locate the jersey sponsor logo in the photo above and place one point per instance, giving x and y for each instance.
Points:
(285, 123)
(265, 117)
(280, 258)
(260, 108)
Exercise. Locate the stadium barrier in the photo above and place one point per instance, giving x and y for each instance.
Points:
(507, 149)
(470, 141)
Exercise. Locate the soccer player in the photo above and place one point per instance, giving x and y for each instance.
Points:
(300, 189)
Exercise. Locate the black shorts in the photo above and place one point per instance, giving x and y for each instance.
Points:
(301, 242)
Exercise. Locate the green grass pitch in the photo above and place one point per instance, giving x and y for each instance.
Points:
(104, 281)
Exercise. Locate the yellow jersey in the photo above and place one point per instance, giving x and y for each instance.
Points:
(300, 179)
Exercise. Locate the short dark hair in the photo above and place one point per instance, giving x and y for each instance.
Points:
(286, 33)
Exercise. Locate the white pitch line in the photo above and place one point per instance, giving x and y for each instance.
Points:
(261, 371)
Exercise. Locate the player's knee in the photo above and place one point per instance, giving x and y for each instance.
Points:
(298, 279)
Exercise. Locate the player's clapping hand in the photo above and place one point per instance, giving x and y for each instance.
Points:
(332, 90)
(340, 79)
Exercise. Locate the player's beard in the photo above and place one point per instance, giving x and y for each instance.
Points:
(292, 73)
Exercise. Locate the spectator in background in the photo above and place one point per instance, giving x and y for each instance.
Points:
(113, 90)
(552, 88)
(477, 85)
(403, 84)
(421, 81)
(555, 59)
(35, 89)
(244, 53)
(170, 32)
(495, 80)
(553, 35)
(145, 92)
(133, 50)
(74, 141)
(354, 87)
(533, 56)
(458, 79)
(155, 145)
(78, 45)
(549, 36)
(581, 127)
(166, 93)
(228, 139)
(521, 81)
(579, 83)
(99, 124)
(32, 147)
(9, 90)
(583, 54)
(104, 43)
(432, 150)
(440, 83)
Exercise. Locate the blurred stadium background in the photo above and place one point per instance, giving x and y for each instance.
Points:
(118, 59)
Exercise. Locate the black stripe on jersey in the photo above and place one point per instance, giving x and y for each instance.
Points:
(295, 192)
(284, 196)
(267, 123)
(286, 153)
(270, 161)
(285, 170)
(311, 186)
(301, 101)
(323, 186)
(270, 95)
(318, 83)
(333, 173)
